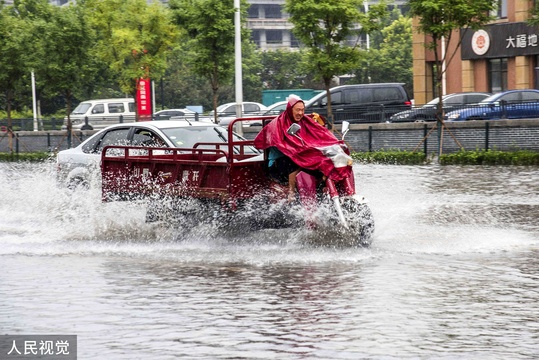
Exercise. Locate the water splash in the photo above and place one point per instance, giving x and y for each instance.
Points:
(413, 210)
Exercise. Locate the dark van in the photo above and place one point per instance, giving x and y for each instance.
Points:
(362, 103)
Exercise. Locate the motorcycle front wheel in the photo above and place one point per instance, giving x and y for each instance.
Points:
(360, 221)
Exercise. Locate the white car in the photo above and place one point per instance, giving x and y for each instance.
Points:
(80, 166)
(273, 110)
(276, 109)
(227, 112)
(174, 114)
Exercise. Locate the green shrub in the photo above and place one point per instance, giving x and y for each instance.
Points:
(31, 157)
(24, 114)
(491, 157)
(395, 157)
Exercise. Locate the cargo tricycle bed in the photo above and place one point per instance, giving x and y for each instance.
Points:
(226, 171)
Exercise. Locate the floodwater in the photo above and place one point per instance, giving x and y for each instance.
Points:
(453, 273)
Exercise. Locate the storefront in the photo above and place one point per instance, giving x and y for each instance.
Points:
(499, 45)
(503, 55)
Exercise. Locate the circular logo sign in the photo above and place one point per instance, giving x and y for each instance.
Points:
(480, 42)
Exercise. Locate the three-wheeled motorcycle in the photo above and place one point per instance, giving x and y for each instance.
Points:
(228, 184)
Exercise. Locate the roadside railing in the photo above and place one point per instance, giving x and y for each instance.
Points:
(29, 124)
(52, 123)
(358, 115)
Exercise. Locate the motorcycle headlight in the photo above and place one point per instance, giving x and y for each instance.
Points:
(337, 155)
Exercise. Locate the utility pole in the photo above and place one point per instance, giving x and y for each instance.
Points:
(237, 52)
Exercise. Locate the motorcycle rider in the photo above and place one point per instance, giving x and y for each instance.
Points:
(288, 154)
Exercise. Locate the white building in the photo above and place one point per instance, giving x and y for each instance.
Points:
(271, 29)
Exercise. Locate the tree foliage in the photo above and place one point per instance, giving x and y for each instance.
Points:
(329, 30)
(283, 69)
(211, 36)
(135, 38)
(182, 86)
(391, 59)
(98, 48)
(20, 47)
(67, 44)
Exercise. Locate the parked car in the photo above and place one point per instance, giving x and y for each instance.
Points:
(274, 109)
(362, 103)
(229, 109)
(80, 166)
(511, 104)
(101, 113)
(174, 113)
(450, 102)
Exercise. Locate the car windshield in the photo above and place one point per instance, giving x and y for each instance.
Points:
(222, 107)
(490, 99)
(432, 103)
(187, 137)
(276, 109)
(81, 109)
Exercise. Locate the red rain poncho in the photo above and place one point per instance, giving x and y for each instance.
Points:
(305, 155)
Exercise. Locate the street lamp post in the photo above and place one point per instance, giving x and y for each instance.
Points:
(237, 62)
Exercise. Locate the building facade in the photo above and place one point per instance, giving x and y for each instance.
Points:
(271, 30)
(269, 25)
(503, 55)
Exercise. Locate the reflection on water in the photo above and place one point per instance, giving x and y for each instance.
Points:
(453, 272)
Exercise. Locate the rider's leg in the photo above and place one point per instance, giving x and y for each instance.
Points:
(292, 185)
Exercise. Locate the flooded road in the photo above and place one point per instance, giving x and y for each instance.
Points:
(453, 273)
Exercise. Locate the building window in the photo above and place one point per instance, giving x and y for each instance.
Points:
(253, 12)
(497, 75)
(273, 11)
(501, 10)
(536, 72)
(274, 36)
(255, 36)
(294, 42)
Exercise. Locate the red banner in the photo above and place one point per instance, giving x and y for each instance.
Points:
(144, 99)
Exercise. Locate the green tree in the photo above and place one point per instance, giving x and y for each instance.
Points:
(251, 70)
(211, 37)
(282, 70)
(182, 86)
(391, 60)
(68, 43)
(329, 30)
(19, 48)
(376, 37)
(134, 38)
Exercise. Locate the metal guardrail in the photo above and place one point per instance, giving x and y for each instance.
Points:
(51, 124)
(27, 124)
(358, 115)
(505, 135)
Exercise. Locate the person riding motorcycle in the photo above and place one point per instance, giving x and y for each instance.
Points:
(288, 154)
